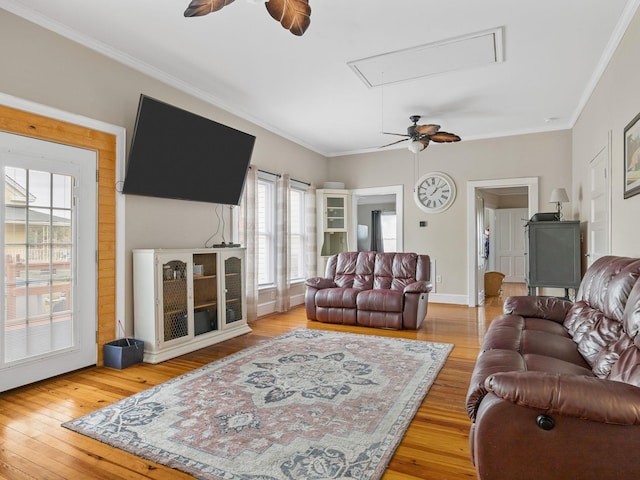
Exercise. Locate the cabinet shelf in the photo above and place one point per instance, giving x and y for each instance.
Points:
(205, 304)
(204, 277)
(175, 311)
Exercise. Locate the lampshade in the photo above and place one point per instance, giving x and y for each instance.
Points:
(415, 146)
(559, 195)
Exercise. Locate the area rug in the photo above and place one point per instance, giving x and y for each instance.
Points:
(307, 405)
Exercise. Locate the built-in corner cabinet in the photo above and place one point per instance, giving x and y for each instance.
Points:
(333, 213)
(187, 299)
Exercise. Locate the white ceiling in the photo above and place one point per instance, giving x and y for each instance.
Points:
(303, 88)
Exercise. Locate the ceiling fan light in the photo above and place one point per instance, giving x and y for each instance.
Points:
(415, 146)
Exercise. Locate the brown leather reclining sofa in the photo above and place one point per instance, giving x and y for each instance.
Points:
(555, 393)
(383, 290)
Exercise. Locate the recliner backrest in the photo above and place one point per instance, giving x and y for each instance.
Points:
(352, 269)
(595, 321)
(394, 271)
(607, 283)
(377, 270)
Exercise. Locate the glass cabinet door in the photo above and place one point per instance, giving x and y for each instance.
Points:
(233, 289)
(174, 300)
(336, 212)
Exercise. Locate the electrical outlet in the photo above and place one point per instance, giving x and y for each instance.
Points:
(438, 278)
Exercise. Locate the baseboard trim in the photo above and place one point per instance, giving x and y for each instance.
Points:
(266, 309)
(448, 298)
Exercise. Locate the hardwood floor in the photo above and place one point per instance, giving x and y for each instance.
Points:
(33, 445)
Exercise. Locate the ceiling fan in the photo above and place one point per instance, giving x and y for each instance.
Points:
(294, 15)
(419, 136)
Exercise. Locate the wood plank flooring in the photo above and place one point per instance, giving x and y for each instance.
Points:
(33, 445)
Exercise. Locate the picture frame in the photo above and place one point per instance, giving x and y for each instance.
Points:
(632, 157)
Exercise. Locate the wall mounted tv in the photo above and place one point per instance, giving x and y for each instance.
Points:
(181, 155)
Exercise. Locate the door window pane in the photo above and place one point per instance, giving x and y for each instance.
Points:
(38, 316)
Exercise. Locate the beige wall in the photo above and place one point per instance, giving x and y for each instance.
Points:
(42, 67)
(544, 155)
(614, 103)
(45, 68)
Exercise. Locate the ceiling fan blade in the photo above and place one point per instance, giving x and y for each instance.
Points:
(428, 129)
(198, 8)
(294, 15)
(398, 134)
(393, 143)
(424, 141)
(442, 137)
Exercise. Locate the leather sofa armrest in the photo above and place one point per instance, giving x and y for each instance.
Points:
(420, 286)
(586, 398)
(550, 308)
(320, 283)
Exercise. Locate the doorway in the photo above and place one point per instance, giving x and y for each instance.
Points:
(476, 228)
(364, 200)
(49, 310)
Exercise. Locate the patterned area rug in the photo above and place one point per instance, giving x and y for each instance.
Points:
(307, 405)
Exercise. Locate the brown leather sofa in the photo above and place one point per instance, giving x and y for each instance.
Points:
(555, 393)
(383, 290)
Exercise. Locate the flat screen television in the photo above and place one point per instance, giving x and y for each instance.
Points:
(181, 155)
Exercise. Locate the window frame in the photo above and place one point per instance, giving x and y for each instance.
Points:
(269, 234)
(301, 189)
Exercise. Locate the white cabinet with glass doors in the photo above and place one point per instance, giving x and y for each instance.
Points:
(187, 299)
(333, 223)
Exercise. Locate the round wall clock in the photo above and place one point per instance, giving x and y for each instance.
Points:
(434, 192)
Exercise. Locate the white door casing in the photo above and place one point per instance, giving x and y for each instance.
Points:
(599, 230)
(472, 245)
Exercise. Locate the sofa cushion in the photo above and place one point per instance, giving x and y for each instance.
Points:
(627, 368)
(369, 318)
(353, 270)
(380, 300)
(516, 337)
(608, 357)
(631, 316)
(394, 271)
(523, 323)
(600, 335)
(337, 297)
(607, 284)
(543, 363)
(342, 316)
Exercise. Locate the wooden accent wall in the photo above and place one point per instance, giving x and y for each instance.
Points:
(104, 144)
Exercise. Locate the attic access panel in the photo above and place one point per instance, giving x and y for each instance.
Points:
(469, 51)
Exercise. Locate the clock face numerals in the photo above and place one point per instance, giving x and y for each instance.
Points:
(435, 192)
